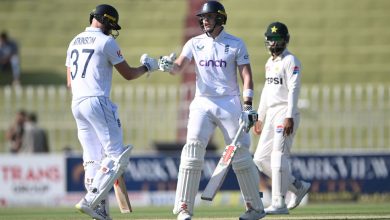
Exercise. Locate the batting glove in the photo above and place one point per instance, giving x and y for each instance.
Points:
(165, 63)
(150, 63)
(249, 117)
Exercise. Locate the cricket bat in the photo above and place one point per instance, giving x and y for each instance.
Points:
(121, 195)
(222, 168)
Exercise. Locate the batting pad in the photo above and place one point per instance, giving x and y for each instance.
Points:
(248, 178)
(192, 158)
(110, 170)
(90, 170)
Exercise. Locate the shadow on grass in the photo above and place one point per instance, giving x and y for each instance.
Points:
(35, 78)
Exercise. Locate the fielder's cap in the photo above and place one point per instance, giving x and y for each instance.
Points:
(276, 30)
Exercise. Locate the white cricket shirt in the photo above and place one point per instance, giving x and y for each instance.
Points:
(91, 56)
(282, 84)
(216, 63)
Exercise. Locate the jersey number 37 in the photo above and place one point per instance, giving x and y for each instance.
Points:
(86, 55)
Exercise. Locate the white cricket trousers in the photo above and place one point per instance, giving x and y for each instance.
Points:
(272, 138)
(207, 113)
(99, 128)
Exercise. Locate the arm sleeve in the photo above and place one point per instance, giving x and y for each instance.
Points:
(187, 50)
(113, 52)
(293, 74)
(262, 110)
(67, 61)
(242, 54)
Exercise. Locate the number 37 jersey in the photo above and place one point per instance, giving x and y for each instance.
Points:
(90, 57)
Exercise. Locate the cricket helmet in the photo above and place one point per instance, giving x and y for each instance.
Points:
(107, 15)
(276, 37)
(213, 7)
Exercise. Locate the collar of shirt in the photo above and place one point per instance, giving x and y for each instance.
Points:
(219, 37)
(283, 54)
(93, 29)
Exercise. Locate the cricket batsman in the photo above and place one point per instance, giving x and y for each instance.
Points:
(217, 56)
(90, 59)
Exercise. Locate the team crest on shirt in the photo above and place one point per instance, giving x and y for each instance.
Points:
(296, 70)
(119, 53)
(199, 47)
(227, 46)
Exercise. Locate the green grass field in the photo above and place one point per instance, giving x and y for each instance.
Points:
(312, 211)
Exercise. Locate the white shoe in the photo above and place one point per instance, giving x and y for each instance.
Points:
(84, 207)
(252, 214)
(102, 211)
(184, 215)
(295, 199)
(272, 210)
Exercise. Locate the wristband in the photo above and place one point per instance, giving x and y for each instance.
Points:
(247, 102)
(248, 93)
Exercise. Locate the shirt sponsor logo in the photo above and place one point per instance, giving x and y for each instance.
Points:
(274, 80)
(199, 47)
(296, 70)
(213, 63)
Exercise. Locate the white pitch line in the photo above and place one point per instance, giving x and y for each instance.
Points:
(341, 217)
